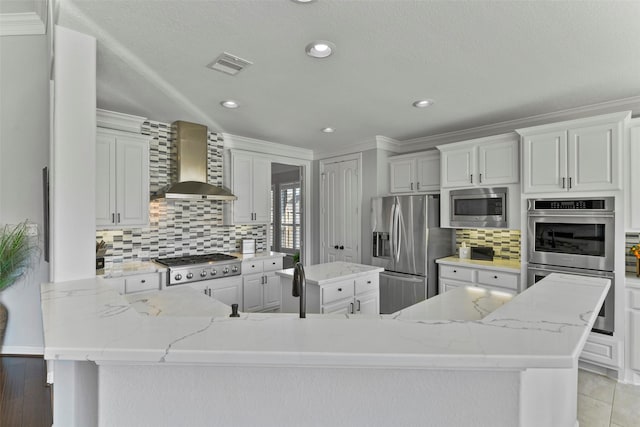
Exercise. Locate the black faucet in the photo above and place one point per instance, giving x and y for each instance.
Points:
(299, 288)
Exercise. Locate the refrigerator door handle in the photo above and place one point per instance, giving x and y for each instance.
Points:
(392, 235)
(399, 223)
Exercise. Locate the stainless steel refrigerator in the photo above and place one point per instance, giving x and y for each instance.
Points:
(407, 239)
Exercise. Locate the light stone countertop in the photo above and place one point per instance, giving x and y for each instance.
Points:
(545, 326)
(496, 264)
(323, 274)
(133, 268)
(258, 255)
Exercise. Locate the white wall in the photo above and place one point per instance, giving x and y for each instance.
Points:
(24, 151)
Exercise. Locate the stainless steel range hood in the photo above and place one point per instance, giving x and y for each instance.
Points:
(192, 153)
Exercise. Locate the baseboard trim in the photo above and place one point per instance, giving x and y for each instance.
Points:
(22, 350)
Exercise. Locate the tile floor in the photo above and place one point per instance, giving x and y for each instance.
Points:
(604, 403)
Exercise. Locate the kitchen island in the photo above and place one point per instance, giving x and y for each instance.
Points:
(334, 287)
(512, 363)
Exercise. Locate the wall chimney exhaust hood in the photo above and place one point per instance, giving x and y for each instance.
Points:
(191, 144)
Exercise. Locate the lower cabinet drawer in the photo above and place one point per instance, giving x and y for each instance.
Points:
(273, 264)
(367, 284)
(337, 292)
(601, 350)
(495, 278)
(141, 282)
(456, 273)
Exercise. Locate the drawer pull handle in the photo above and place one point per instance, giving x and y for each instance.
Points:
(143, 281)
(495, 277)
(455, 271)
(368, 282)
(339, 289)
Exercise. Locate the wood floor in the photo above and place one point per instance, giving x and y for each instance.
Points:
(24, 397)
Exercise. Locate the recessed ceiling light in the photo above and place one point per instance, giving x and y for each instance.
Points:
(320, 49)
(423, 103)
(229, 103)
(328, 130)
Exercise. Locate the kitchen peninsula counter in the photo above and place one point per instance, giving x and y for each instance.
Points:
(92, 331)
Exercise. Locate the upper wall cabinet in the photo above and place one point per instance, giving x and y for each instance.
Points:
(480, 162)
(578, 155)
(122, 179)
(415, 172)
(632, 181)
(250, 181)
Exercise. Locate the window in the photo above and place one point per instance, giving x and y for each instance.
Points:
(285, 217)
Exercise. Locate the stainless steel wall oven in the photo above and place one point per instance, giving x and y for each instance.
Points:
(574, 236)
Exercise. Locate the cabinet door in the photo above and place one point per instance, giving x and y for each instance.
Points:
(344, 307)
(229, 292)
(132, 186)
(447, 285)
(272, 290)
(348, 214)
(634, 339)
(105, 180)
(253, 292)
(330, 205)
(261, 183)
(402, 175)
(428, 173)
(242, 188)
(498, 163)
(594, 158)
(368, 303)
(545, 162)
(458, 168)
(633, 191)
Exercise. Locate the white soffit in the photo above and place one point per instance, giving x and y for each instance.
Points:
(23, 18)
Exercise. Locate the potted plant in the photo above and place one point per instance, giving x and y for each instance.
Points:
(16, 250)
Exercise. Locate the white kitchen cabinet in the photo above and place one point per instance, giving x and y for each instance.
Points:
(579, 155)
(454, 275)
(227, 290)
(415, 172)
(351, 296)
(122, 179)
(633, 332)
(340, 215)
(261, 284)
(250, 181)
(632, 182)
(136, 282)
(480, 162)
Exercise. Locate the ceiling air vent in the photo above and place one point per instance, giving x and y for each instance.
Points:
(229, 64)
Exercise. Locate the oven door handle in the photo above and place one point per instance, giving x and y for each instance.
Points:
(565, 214)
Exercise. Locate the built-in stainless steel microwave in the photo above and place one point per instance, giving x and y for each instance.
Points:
(478, 207)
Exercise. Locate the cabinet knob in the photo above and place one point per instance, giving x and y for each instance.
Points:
(339, 289)
(336, 247)
(495, 277)
(368, 282)
(342, 248)
(455, 271)
(143, 281)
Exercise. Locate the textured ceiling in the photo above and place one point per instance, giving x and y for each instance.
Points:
(482, 62)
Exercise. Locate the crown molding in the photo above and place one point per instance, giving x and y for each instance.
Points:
(22, 24)
(119, 121)
(427, 142)
(265, 147)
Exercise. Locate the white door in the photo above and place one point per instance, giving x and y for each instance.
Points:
(458, 167)
(105, 180)
(545, 162)
(242, 188)
(349, 218)
(428, 173)
(594, 158)
(402, 175)
(330, 214)
(261, 183)
(498, 163)
(132, 193)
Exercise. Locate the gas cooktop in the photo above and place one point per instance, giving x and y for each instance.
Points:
(195, 259)
(195, 268)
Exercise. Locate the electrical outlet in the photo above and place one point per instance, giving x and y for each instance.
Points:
(32, 230)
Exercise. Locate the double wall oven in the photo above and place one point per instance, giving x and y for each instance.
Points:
(574, 236)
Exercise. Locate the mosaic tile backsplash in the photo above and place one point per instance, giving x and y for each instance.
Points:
(505, 243)
(630, 259)
(178, 227)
